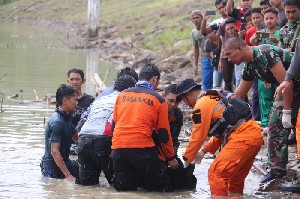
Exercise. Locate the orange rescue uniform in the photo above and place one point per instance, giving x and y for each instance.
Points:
(137, 112)
(298, 133)
(228, 171)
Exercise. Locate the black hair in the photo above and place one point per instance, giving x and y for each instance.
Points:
(248, 13)
(64, 91)
(256, 10)
(148, 71)
(172, 88)
(224, 2)
(128, 71)
(264, 2)
(292, 3)
(76, 70)
(234, 42)
(123, 82)
(229, 20)
(273, 10)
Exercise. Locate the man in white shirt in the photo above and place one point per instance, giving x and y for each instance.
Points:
(94, 144)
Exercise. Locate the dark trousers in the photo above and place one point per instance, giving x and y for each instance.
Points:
(139, 167)
(94, 157)
(227, 72)
(50, 169)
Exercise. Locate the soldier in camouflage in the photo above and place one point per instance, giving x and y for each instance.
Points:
(269, 64)
(290, 32)
(290, 89)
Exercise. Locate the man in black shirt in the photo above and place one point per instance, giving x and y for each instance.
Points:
(76, 80)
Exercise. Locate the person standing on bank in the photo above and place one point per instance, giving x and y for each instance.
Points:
(137, 112)
(241, 143)
(58, 137)
(198, 43)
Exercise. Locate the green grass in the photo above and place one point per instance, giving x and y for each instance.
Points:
(161, 22)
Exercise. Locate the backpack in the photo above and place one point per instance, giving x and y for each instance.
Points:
(236, 112)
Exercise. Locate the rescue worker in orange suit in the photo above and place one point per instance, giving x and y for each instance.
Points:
(228, 171)
(137, 112)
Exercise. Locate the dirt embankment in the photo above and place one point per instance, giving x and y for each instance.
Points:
(139, 36)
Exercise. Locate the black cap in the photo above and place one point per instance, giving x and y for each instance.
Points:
(186, 86)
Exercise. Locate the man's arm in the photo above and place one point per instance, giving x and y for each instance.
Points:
(243, 88)
(163, 131)
(278, 71)
(229, 7)
(60, 162)
(205, 29)
(202, 114)
(294, 68)
(196, 59)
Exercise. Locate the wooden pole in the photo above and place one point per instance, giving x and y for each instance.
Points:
(92, 62)
(93, 17)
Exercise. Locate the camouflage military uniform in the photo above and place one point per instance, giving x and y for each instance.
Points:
(286, 35)
(265, 56)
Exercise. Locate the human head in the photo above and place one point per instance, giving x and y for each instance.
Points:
(230, 27)
(188, 91)
(76, 78)
(276, 3)
(246, 4)
(234, 50)
(221, 8)
(66, 97)
(264, 4)
(150, 73)
(256, 17)
(247, 16)
(196, 17)
(128, 71)
(292, 10)
(170, 96)
(271, 18)
(123, 82)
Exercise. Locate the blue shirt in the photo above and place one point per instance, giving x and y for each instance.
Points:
(59, 129)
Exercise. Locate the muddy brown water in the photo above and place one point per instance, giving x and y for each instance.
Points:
(31, 58)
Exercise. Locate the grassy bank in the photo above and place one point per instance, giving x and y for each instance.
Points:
(164, 24)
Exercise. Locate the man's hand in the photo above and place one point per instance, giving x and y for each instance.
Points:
(282, 86)
(242, 34)
(199, 157)
(286, 119)
(220, 67)
(70, 178)
(195, 70)
(185, 164)
(173, 164)
(274, 40)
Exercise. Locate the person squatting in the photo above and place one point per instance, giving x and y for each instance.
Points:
(131, 131)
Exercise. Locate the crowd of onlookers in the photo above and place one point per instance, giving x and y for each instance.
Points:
(244, 47)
